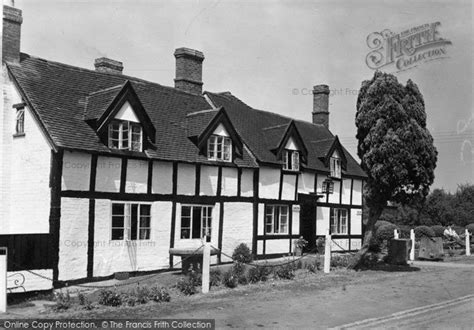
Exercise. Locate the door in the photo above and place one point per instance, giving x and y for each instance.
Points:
(308, 224)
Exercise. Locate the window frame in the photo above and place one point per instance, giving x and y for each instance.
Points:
(336, 228)
(205, 223)
(130, 125)
(213, 146)
(20, 121)
(127, 221)
(335, 166)
(291, 160)
(276, 219)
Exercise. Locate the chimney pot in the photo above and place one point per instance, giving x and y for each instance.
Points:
(188, 70)
(321, 105)
(104, 64)
(11, 36)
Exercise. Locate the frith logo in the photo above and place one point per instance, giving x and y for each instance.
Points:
(407, 49)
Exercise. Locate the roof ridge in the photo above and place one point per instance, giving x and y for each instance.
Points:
(105, 90)
(323, 140)
(126, 77)
(276, 126)
(201, 112)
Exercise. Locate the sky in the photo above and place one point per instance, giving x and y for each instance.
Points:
(271, 53)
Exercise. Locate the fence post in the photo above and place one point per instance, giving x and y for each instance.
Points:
(395, 234)
(468, 243)
(206, 264)
(3, 279)
(412, 251)
(327, 253)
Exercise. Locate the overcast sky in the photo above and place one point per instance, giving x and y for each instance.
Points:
(271, 53)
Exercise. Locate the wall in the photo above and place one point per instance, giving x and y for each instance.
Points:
(162, 178)
(269, 183)
(237, 226)
(108, 174)
(137, 176)
(76, 171)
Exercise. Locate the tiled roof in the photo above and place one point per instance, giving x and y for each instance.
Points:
(64, 97)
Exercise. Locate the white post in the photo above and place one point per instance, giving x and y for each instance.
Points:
(3, 279)
(412, 251)
(327, 253)
(468, 244)
(206, 264)
(395, 234)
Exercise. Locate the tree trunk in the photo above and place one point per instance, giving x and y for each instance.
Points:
(374, 214)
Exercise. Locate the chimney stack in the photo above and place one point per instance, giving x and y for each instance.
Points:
(12, 20)
(105, 64)
(188, 70)
(321, 105)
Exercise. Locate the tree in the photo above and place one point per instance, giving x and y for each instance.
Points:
(394, 145)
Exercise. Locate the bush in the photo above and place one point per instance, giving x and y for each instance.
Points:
(370, 259)
(141, 294)
(215, 277)
(109, 298)
(188, 285)
(421, 231)
(320, 244)
(385, 232)
(459, 230)
(159, 294)
(381, 223)
(63, 301)
(314, 266)
(470, 227)
(84, 301)
(230, 280)
(405, 231)
(242, 254)
(438, 230)
(286, 272)
(258, 274)
(341, 260)
(375, 245)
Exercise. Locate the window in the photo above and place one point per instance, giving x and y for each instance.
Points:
(20, 121)
(131, 221)
(196, 221)
(125, 135)
(219, 148)
(338, 221)
(291, 160)
(335, 166)
(276, 219)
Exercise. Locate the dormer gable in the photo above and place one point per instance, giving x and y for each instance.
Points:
(335, 158)
(291, 140)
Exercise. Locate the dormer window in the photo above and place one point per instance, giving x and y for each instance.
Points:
(291, 160)
(125, 135)
(335, 165)
(219, 148)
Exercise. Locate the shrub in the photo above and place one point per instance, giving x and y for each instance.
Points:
(385, 232)
(141, 294)
(459, 230)
(405, 231)
(63, 300)
(470, 227)
(341, 260)
(215, 277)
(370, 259)
(286, 272)
(381, 223)
(109, 298)
(187, 285)
(84, 301)
(242, 254)
(159, 294)
(438, 230)
(314, 266)
(258, 274)
(230, 280)
(421, 231)
(320, 244)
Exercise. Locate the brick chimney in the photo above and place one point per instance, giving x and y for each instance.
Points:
(105, 64)
(321, 105)
(188, 70)
(11, 34)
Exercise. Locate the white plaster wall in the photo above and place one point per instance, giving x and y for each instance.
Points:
(289, 187)
(346, 191)
(112, 256)
(162, 178)
(186, 179)
(340, 244)
(356, 221)
(127, 113)
(306, 183)
(137, 176)
(322, 220)
(237, 227)
(196, 243)
(356, 243)
(208, 182)
(73, 238)
(76, 171)
(295, 230)
(269, 184)
(229, 181)
(246, 183)
(335, 196)
(259, 247)
(277, 246)
(261, 219)
(31, 282)
(357, 192)
(108, 174)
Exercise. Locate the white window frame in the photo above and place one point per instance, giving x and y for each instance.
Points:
(125, 126)
(127, 222)
(339, 221)
(20, 121)
(291, 160)
(274, 216)
(335, 166)
(205, 223)
(219, 144)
